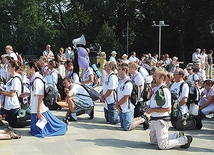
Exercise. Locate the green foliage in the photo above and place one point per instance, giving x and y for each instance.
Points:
(107, 39)
(29, 25)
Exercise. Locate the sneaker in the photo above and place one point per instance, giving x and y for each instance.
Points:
(91, 115)
(14, 135)
(189, 141)
(70, 118)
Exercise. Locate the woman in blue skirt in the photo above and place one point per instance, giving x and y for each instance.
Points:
(39, 111)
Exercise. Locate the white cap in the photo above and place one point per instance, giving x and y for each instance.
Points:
(113, 52)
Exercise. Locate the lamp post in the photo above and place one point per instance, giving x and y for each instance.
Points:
(161, 23)
(212, 28)
(125, 34)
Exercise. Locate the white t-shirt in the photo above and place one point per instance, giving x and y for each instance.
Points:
(202, 74)
(133, 59)
(54, 74)
(112, 59)
(13, 55)
(78, 89)
(13, 84)
(138, 79)
(110, 83)
(192, 78)
(74, 77)
(184, 93)
(37, 88)
(203, 58)
(143, 72)
(123, 90)
(153, 103)
(195, 57)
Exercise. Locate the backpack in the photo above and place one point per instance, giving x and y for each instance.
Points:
(193, 95)
(175, 109)
(147, 92)
(92, 92)
(24, 103)
(134, 97)
(48, 94)
(60, 86)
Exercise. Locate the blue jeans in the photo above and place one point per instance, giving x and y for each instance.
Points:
(126, 119)
(111, 114)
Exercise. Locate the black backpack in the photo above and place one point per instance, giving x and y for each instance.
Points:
(60, 86)
(134, 94)
(147, 92)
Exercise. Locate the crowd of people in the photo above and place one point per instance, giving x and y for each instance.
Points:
(119, 77)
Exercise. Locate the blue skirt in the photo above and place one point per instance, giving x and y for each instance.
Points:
(54, 126)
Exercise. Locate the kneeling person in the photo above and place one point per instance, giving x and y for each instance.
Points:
(159, 109)
(123, 105)
(78, 99)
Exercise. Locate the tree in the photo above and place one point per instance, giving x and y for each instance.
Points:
(107, 39)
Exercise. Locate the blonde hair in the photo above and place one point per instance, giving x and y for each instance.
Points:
(133, 65)
(10, 47)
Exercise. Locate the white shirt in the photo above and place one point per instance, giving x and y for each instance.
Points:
(138, 79)
(195, 57)
(131, 59)
(74, 77)
(143, 72)
(37, 88)
(13, 55)
(202, 74)
(113, 59)
(110, 83)
(123, 90)
(54, 74)
(192, 78)
(203, 58)
(184, 93)
(86, 74)
(78, 89)
(45, 53)
(153, 103)
(13, 84)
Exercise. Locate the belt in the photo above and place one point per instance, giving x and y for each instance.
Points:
(165, 118)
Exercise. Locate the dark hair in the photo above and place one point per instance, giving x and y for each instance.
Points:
(68, 62)
(124, 66)
(35, 64)
(14, 64)
(53, 63)
(8, 58)
(208, 82)
(68, 79)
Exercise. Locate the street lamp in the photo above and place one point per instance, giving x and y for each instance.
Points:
(125, 34)
(212, 28)
(161, 23)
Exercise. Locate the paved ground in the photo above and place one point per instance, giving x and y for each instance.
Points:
(96, 137)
